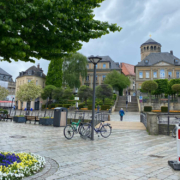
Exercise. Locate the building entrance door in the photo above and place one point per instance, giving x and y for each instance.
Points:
(36, 107)
(28, 105)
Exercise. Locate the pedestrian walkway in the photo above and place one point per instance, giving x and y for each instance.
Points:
(131, 120)
(125, 155)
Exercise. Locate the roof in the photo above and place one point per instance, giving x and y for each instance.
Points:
(150, 41)
(127, 69)
(4, 72)
(113, 65)
(36, 72)
(159, 57)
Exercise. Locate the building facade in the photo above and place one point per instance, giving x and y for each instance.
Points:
(8, 82)
(36, 74)
(156, 64)
(105, 66)
(128, 70)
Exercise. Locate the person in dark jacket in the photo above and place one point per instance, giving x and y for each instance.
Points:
(121, 113)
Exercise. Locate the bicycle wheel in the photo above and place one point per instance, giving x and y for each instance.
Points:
(68, 132)
(174, 132)
(79, 129)
(106, 131)
(86, 130)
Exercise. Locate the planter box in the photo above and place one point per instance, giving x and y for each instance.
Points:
(19, 119)
(46, 121)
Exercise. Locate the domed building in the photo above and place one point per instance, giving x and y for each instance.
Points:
(155, 64)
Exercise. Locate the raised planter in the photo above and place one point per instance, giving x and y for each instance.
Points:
(46, 121)
(19, 119)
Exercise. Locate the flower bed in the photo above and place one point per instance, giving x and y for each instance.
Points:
(14, 166)
(174, 111)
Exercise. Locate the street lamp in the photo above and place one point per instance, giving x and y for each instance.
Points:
(11, 104)
(94, 60)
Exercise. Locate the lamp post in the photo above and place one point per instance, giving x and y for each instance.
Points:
(94, 60)
(11, 104)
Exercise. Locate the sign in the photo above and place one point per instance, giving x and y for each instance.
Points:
(140, 98)
(76, 98)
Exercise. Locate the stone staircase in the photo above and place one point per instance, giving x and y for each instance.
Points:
(132, 106)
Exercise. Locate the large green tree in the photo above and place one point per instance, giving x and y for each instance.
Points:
(170, 84)
(48, 29)
(116, 80)
(74, 68)
(162, 86)
(85, 92)
(3, 93)
(104, 91)
(54, 75)
(176, 88)
(57, 94)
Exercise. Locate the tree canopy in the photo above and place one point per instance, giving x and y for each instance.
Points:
(170, 84)
(116, 80)
(74, 67)
(176, 88)
(47, 92)
(54, 75)
(48, 29)
(104, 91)
(57, 94)
(85, 92)
(162, 86)
(149, 86)
(29, 91)
(3, 93)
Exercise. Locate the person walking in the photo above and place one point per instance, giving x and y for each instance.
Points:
(98, 108)
(121, 113)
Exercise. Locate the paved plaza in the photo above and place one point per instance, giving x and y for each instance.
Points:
(125, 155)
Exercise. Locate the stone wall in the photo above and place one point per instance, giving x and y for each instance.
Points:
(152, 125)
(163, 129)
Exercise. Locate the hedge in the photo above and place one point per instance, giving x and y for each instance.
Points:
(89, 107)
(105, 107)
(58, 105)
(81, 105)
(114, 96)
(164, 109)
(147, 108)
(66, 105)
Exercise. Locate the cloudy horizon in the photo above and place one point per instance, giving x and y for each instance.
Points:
(139, 19)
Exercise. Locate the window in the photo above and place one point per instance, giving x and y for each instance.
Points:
(87, 66)
(36, 82)
(140, 74)
(103, 77)
(43, 84)
(96, 66)
(162, 73)
(147, 74)
(154, 74)
(87, 78)
(176, 61)
(104, 65)
(169, 74)
(29, 72)
(177, 74)
(154, 47)
(29, 80)
(96, 78)
(151, 48)
(146, 61)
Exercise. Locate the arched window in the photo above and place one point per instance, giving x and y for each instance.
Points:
(144, 48)
(158, 49)
(155, 48)
(151, 48)
(147, 47)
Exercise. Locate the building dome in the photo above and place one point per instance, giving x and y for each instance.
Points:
(150, 46)
(150, 41)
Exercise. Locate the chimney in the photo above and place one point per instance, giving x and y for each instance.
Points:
(38, 66)
(171, 52)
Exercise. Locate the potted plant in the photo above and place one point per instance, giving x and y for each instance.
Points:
(46, 120)
(19, 119)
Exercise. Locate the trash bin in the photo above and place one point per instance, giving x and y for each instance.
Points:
(60, 117)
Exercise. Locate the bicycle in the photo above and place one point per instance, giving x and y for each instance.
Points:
(73, 127)
(174, 130)
(104, 129)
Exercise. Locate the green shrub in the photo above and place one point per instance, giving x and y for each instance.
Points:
(81, 105)
(164, 109)
(4, 111)
(89, 107)
(66, 105)
(147, 108)
(114, 96)
(72, 97)
(105, 107)
(58, 105)
(43, 106)
(166, 96)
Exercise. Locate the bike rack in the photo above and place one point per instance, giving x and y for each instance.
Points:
(176, 164)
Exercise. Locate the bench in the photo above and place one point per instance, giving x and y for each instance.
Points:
(6, 117)
(32, 118)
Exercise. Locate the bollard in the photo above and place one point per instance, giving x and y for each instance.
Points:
(176, 164)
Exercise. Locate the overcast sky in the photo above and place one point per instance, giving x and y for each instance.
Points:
(139, 19)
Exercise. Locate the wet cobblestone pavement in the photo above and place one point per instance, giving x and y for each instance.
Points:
(125, 155)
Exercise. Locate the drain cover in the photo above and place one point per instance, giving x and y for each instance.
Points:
(17, 136)
(156, 156)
